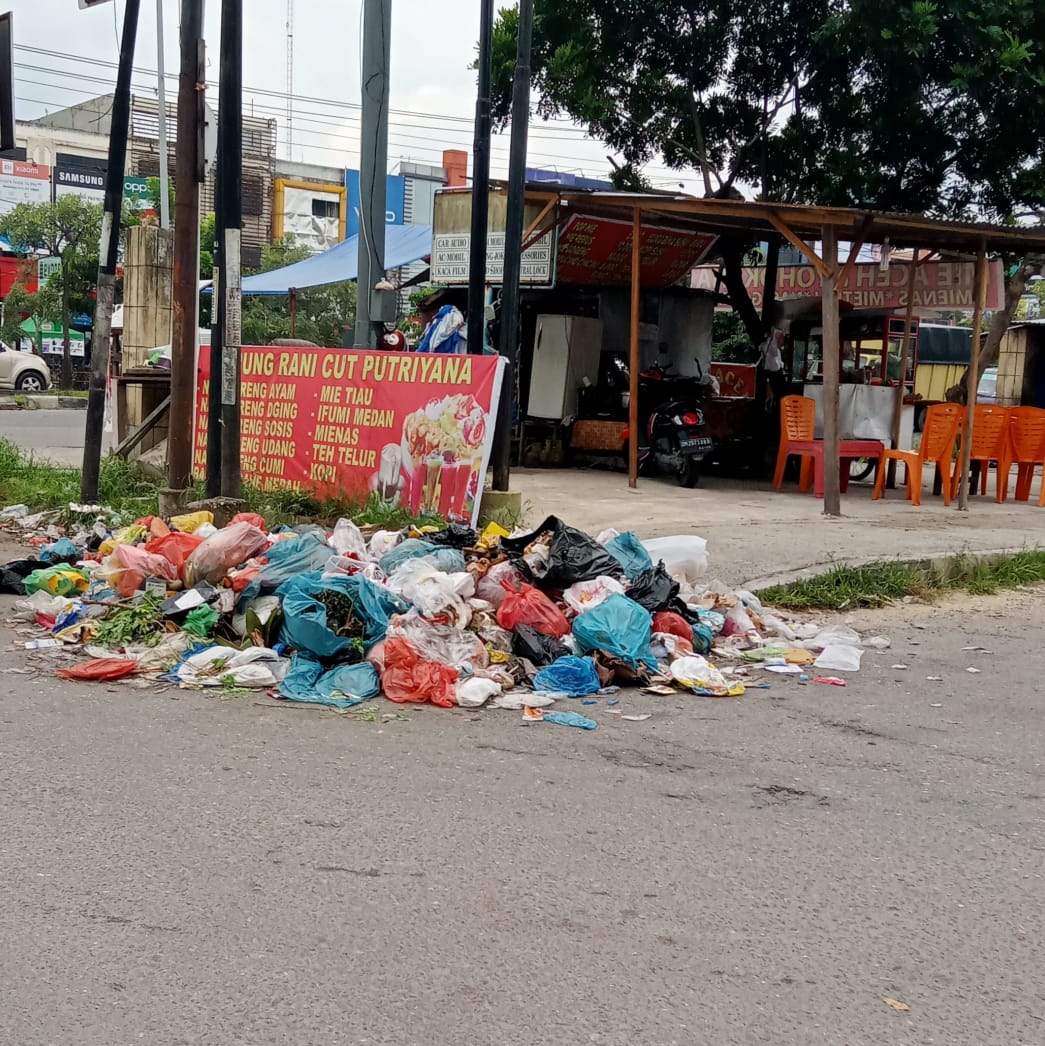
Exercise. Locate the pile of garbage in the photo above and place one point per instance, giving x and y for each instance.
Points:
(451, 617)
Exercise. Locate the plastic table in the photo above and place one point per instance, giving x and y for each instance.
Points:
(848, 450)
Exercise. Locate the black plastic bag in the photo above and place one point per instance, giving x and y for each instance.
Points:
(573, 556)
(457, 535)
(539, 649)
(655, 590)
(13, 574)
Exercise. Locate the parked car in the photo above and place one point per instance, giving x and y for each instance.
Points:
(22, 371)
(987, 392)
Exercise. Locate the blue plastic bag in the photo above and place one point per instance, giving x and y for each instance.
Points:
(61, 549)
(618, 626)
(305, 619)
(703, 637)
(408, 549)
(570, 675)
(570, 719)
(627, 550)
(293, 556)
(340, 687)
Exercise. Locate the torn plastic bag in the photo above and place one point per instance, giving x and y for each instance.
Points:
(572, 555)
(839, 657)
(475, 692)
(497, 581)
(617, 626)
(528, 606)
(305, 619)
(685, 556)
(833, 635)
(175, 547)
(164, 655)
(630, 553)
(229, 547)
(254, 668)
(696, 674)
(573, 676)
(443, 643)
(457, 535)
(100, 668)
(535, 647)
(587, 594)
(340, 687)
(433, 592)
(348, 541)
(409, 679)
(655, 589)
(289, 558)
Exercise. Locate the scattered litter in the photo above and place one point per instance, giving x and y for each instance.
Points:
(936, 704)
(785, 670)
(877, 642)
(840, 657)
(42, 644)
(830, 680)
(934, 679)
(896, 1004)
(977, 649)
(638, 718)
(659, 690)
(900, 668)
(973, 671)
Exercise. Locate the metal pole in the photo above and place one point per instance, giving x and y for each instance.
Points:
(217, 310)
(187, 177)
(161, 97)
(107, 257)
(230, 225)
(373, 162)
(633, 354)
(832, 421)
(901, 387)
(980, 293)
(481, 186)
(513, 234)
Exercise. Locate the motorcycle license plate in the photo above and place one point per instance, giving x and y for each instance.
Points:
(694, 444)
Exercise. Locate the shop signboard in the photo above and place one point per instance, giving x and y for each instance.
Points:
(46, 268)
(395, 201)
(23, 182)
(80, 176)
(413, 429)
(938, 286)
(597, 251)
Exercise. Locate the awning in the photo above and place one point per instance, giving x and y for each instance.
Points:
(404, 244)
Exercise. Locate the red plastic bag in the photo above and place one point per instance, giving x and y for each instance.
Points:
(100, 668)
(528, 606)
(127, 568)
(175, 547)
(673, 624)
(222, 551)
(408, 679)
(249, 517)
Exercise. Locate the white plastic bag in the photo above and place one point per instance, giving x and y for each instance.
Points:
(833, 635)
(839, 657)
(474, 692)
(607, 535)
(435, 592)
(383, 541)
(254, 668)
(587, 594)
(685, 556)
(695, 672)
(348, 541)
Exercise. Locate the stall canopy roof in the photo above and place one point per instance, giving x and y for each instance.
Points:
(403, 244)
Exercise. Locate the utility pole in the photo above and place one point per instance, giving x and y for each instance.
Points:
(513, 234)
(188, 174)
(229, 225)
(480, 186)
(373, 162)
(161, 98)
(107, 256)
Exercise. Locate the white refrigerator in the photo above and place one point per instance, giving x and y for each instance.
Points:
(566, 350)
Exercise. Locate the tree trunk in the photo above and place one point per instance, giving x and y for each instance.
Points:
(67, 348)
(733, 265)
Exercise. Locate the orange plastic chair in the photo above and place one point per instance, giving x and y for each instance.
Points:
(1026, 448)
(797, 424)
(942, 421)
(990, 442)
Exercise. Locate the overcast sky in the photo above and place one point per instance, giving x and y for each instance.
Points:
(433, 44)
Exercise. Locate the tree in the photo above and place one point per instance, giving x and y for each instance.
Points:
(924, 105)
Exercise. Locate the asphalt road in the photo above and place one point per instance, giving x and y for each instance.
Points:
(176, 868)
(54, 435)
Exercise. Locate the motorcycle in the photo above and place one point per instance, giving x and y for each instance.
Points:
(672, 433)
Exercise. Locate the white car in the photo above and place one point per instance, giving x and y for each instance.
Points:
(22, 371)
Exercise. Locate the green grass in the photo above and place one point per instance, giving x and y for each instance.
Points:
(846, 588)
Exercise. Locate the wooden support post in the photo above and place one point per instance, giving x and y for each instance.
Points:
(832, 351)
(293, 312)
(633, 355)
(143, 429)
(979, 293)
(901, 387)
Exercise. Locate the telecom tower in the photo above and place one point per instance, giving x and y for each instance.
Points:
(290, 79)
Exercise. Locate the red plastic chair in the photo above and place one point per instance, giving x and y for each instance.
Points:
(938, 436)
(1026, 448)
(797, 425)
(990, 442)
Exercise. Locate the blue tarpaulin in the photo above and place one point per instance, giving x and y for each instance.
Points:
(403, 244)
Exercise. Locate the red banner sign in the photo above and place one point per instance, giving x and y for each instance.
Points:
(938, 286)
(735, 380)
(411, 428)
(597, 251)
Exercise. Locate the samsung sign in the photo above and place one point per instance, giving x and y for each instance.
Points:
(80, 176)
(395, 201)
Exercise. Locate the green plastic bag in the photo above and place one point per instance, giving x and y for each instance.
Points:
(201, 621)
(59, 580)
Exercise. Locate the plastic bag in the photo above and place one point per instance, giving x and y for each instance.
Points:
(839, 657)
(475, 692)
(100, 668)
(409, 679)
(175, 548)
(190, 522)
(57, 580)
(738, 623)
(456, 535)
(685, 556)
(126, 536)
(254, 668)
(587, 594)
(127, 568)
(491, 586)
(655, 589)
(62, 549)
(528, 606)
(229, 547)
(672, 623)
(618, 626)
(433, 592)
(164, 655)
(383, 542)
(248, 517)
(538, 649)
(630, 553)
(572, 555)
(573, 676)
(201, 621)
(341, 687)
(694, 672)
(604, 537)
(567, 719)
(348, 541)
(443, 643)
(408, 549)
(288, 559)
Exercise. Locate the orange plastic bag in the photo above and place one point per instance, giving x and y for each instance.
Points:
(127, 568)
(407, 679)
(528, 606)
(673, 624)
(175, 547)
(100, 668)
(249, 517)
